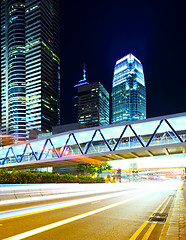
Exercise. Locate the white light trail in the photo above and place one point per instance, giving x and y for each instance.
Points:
(49, 207)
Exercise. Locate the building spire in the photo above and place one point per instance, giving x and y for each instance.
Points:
(84, 73)
(84, 80)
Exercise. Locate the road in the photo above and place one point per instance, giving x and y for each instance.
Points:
(115, 213)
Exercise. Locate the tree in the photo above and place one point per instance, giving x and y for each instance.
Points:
(85, 168)
(90, 168)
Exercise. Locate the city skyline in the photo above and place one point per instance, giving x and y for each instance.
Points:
(99, 34)
(157, 42)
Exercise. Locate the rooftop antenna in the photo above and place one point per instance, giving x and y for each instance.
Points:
(84, 73)
(84, 80)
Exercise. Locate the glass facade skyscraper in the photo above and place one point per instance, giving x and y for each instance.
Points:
(42, 64)
(93, 105)
(13, 97)
(128, 90)
(30, 66)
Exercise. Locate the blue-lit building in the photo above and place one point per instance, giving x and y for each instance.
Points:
(13, 95)
(128, 90)
(29, 66)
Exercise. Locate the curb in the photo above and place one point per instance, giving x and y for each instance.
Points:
(175, 227)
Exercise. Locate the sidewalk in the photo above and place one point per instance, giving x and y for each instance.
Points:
(175, 227)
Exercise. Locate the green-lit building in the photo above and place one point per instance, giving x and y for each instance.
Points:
(29, 66)
(128, 90)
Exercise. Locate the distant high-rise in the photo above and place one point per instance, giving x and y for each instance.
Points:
(128, 90)
(80, 83)
(93, 105)
(30, 66)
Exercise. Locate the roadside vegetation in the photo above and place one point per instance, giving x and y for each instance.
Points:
(22, 177)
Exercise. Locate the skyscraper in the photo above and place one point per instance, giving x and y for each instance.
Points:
(128, 90)
(13, 98)
(81, 82)
(93, 105)
(29, 66)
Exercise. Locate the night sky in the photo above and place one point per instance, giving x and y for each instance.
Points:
(98, 33)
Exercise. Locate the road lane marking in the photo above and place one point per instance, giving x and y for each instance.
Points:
(71, 219)
(165, 228)
(45, 208)
(163, 209)
(153, 225)
(156, 210)
(95, 202)
(149, 231)
(137, 233)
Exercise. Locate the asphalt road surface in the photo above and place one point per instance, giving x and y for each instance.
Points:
(126, 213)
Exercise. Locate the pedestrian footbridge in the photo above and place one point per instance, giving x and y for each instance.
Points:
(158, 136)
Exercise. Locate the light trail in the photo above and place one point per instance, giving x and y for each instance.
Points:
(50, 197)
(71, 219)
(49, 207)
(87, 191)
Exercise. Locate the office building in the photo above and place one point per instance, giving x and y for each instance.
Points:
(93, 105)
(81, 82)
(13, 97)
(128, 90)
(30, 69)
(42, 65)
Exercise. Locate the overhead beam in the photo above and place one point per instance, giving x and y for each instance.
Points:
(150, 153)
(117, 156)
(166, 151)
(184, 149)
(134, 155)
